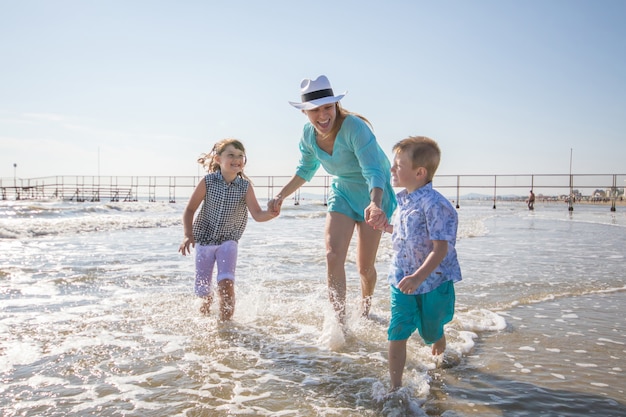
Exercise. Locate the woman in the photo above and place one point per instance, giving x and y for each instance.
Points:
(343, 143)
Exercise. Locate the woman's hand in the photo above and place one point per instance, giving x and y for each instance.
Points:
(375, 217)
(275, 204)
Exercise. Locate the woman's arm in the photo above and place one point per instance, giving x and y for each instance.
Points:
(294, 183)
(374, 215)
(374, 164)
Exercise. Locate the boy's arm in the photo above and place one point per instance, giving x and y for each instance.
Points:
(410, 283)
(255, 209)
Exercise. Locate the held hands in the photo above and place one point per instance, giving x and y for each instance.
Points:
(184, 247)
(274, 205)
(376, 217)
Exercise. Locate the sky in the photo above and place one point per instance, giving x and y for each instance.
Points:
(142, 87)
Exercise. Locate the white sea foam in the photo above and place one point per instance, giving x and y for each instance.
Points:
(481, 320)
(587, 365)
(19, 353)
(603, 339)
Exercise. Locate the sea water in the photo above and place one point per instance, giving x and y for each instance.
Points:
(98, 317)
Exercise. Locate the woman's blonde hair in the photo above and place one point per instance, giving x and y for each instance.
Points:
(341, 115)
(208, 161)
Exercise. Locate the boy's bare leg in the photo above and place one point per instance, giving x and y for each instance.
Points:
(227, 299)
(439, 346)
(397, 360)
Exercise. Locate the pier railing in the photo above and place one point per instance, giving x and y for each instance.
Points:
(547, 187)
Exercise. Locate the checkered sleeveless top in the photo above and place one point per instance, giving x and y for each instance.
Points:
(224, 213)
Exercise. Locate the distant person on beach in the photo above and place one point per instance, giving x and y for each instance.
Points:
(531, 200)
(226, 195)
(342, 143)
(424, 267)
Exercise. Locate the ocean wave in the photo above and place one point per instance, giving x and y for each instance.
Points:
(87, 224)
(35, 219)
(574, 292)
(28, 219)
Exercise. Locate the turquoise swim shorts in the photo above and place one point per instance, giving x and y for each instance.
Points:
(425, 312)
(341, 205)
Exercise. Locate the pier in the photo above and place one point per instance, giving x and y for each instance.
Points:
(134, 188)
(568, 188)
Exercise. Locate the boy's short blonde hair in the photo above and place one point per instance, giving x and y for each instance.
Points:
(424, 152)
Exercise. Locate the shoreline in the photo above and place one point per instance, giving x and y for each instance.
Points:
(618, 203)
(609, 203)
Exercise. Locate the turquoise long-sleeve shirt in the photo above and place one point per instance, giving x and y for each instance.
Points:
(357, 164)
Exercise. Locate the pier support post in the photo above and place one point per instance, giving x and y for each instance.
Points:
(495, 188)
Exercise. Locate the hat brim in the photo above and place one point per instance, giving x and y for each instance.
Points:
(313, 104)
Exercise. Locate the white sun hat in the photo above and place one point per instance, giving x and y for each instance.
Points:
(315, 93)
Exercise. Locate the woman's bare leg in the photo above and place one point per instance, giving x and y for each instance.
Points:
(367, 248)
(339, 230)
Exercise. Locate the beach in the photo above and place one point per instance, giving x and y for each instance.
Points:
(98, 317)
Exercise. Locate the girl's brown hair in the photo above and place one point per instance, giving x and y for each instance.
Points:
(208, 161)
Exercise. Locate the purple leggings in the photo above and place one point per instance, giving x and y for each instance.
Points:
(206, 256)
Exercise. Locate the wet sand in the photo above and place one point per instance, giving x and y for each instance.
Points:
(564, 357)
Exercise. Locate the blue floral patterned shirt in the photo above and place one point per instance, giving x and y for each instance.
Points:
(423, 216)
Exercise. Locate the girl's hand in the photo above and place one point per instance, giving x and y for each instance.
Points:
(275, 204)
(184, 247)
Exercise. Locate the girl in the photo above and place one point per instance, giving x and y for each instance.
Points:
(227, 196)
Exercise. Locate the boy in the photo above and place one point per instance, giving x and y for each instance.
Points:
(425, 265)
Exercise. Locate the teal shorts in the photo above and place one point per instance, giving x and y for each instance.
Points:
(425, 312)
(354, 202)
(341, 205)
